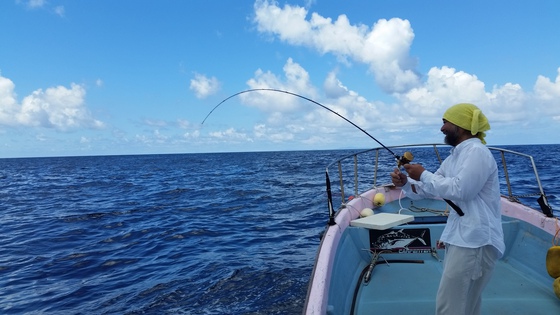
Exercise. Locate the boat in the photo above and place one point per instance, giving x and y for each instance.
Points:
(391, 262)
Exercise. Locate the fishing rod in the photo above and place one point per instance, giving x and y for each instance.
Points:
(406, 158)
(402, 160)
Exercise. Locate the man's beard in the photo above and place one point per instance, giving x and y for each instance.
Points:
(452, 138)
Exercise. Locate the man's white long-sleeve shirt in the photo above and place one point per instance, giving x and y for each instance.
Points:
(469, 178)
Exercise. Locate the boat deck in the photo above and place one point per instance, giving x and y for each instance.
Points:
(410, 288)
(408, 283)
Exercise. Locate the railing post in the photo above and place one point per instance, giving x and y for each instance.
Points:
(506, 174)
(329, 199)
(356, 191)
(341, 182)
(375, 168)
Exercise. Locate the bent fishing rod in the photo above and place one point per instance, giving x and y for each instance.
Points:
(401, 160)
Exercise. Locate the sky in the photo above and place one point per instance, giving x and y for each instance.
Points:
(80, 78)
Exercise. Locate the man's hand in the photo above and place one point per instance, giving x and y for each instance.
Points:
(398, 178)
(414, 170)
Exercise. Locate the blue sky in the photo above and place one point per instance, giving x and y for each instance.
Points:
(138, 77)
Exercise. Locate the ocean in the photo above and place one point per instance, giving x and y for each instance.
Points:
(219, 233)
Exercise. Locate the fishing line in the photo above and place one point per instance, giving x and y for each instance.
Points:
(406, 158)
(307, 99)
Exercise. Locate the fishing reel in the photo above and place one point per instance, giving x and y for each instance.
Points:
(405, 159)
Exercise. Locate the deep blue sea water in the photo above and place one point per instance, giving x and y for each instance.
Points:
(222, 233)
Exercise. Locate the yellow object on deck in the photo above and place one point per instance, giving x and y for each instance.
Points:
(379, 199)
(553, 262)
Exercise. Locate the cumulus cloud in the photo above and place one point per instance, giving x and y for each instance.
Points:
(384, 47)
(296, 80)
(547, 95)
(443, 86)
(8, 103)
(337, 97)
(60, 108)
(507, 103)
(333, 87)
(203, 86)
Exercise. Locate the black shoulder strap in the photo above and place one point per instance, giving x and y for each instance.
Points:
(455, 207)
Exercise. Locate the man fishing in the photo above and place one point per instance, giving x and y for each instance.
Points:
(468, 178)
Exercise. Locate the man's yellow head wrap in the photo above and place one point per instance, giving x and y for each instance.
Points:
(468, 117)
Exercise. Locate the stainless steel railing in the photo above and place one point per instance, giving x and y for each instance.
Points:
(358, 164)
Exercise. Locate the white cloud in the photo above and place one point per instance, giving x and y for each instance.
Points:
(547, 94)
(8, 102)
(444, 86)
(230, 135)
(296, 80)
(42, 4)
(183, 123)
(384, 47)
(203, 86)
(160, 138)
(289, 116)
(33, 4)
(58, 107)
(507, 103)
(192, 135)
(276, 135)
(333, 87)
